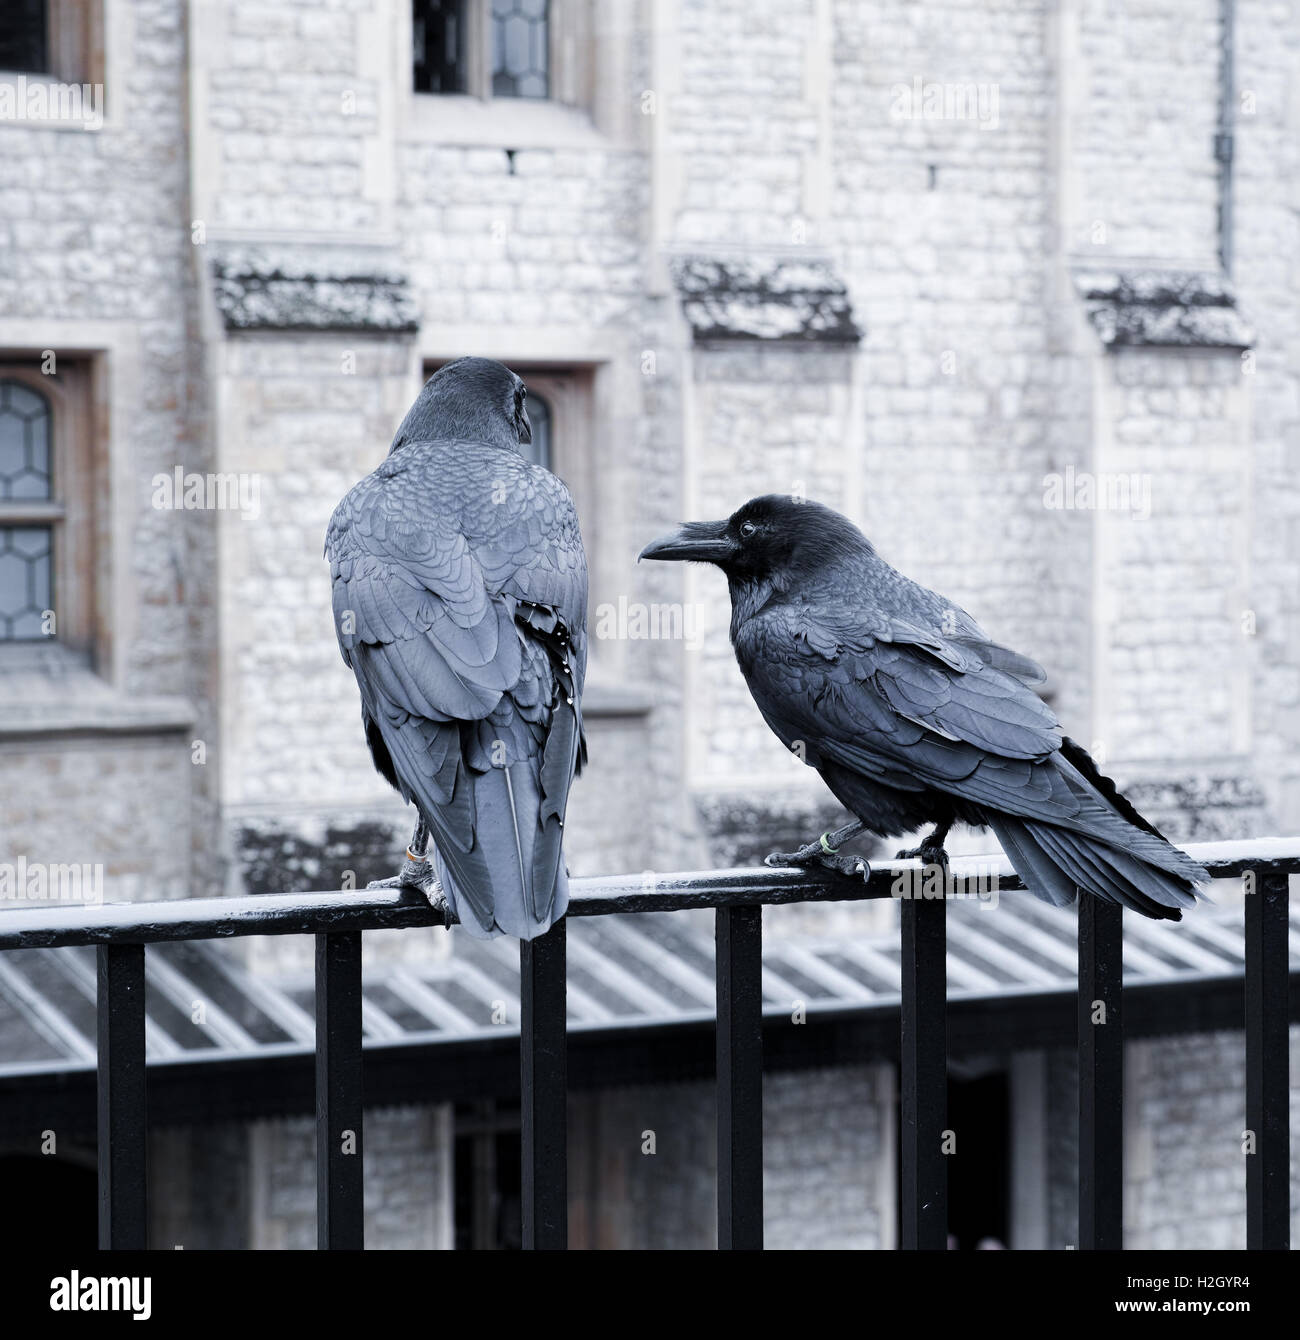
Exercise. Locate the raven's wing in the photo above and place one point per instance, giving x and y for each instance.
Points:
(910, 707)
(460, 593)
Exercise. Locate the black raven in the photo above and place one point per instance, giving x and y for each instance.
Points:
(913, 717)
(460, 603)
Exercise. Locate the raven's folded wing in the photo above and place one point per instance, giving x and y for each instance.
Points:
(902, 704)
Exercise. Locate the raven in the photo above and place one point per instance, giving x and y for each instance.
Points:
(913, 717)
(460, 603)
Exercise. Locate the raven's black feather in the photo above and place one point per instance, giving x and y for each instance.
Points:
(913, 716)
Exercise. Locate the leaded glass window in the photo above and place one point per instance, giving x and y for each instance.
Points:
(520, 49)
(26, 477)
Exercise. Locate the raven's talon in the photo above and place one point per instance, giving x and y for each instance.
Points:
(855, 867)
(927, 855)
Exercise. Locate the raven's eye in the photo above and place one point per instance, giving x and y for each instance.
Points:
(747, 529)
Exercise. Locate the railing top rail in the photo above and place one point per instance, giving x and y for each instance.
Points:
(395, 909)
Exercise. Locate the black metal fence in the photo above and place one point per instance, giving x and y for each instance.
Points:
(121, 931)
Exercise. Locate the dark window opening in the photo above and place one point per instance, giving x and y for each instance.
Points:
(49, 1201)
(441, 49)
(23, 43)
(488, 1189)
(979, 1172)
(979, 1168)
(520, 54)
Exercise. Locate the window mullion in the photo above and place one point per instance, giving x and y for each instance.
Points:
(481, 37)
(32, 513)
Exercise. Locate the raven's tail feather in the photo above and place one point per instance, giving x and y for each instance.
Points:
(1057, 862)
(513, 879)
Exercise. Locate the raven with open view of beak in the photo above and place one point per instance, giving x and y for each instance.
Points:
(460, 603)
(913, 717)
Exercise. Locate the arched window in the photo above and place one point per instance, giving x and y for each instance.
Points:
(26, 482)
(539, 415)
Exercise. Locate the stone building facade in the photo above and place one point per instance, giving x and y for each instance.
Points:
(1013, 284)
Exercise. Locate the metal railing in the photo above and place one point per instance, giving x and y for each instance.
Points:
(120, 933)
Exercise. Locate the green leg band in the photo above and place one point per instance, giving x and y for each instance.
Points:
(826, 846)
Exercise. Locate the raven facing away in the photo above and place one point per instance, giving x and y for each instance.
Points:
(913, 717)
(460, 603)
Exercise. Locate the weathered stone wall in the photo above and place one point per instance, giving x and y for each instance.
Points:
(96, 264)
(118, 808)
(1171, 675)
(1267, 167)
(308, 416)
(827, 1163)
(1184, 1159)
(407, 1181)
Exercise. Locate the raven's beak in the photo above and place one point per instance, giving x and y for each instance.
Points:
(695, 542)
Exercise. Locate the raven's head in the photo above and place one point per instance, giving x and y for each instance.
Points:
(775, 539)
(471, 399)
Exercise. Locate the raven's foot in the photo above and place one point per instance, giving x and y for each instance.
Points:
(823, 854)
(414, 874)
(928, 854)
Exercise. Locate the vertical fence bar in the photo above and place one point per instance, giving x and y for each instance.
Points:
(122, 1116)
(340, 1208)
(739, 967)
(1268, 1064)
(1101, 1074)
(924, 1075)
(543, 1063)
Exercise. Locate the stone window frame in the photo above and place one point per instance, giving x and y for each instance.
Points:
(76, 42)
(588, 107)
(567, 392)
(565, 23)
(70, 512)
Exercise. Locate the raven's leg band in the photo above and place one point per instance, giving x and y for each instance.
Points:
(832, 842)
(417, 870)
(419, 842)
